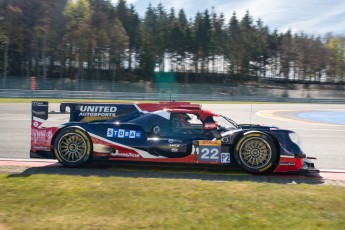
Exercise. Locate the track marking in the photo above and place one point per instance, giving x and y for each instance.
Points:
(332, 130)
(270, 114)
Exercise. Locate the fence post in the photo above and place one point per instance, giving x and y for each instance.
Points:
(33, 83)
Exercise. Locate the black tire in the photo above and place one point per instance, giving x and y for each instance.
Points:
(256, 153)
(72, 147)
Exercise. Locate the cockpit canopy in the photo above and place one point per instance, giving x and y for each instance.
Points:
(166, 123)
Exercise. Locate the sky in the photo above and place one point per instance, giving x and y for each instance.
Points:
(316, 17)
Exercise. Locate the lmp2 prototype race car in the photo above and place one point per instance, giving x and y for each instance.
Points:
(164, 132)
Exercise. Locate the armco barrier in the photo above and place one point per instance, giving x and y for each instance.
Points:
(60, 94)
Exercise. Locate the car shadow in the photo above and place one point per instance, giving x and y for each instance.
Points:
(219, 174)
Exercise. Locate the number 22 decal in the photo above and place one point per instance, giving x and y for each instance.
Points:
(209, 153)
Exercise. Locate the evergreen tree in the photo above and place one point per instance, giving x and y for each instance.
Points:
(78, 23)
(235, 49)
(131, 23)
(262, 47)
(285, 54)
(63, 37)
(336, 69)
(218, 41)
(249, 44)
(148, 32)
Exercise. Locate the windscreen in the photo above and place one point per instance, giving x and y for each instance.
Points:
(225, 123)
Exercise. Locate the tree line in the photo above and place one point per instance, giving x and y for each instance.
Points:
(94, 39)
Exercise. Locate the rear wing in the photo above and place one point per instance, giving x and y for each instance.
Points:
(81, 112)
(39, 112)
(86, 112)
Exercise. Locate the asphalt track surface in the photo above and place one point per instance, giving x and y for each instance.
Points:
(323, 140)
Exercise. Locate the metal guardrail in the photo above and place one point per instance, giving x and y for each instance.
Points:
(61, 94)
(23, 87)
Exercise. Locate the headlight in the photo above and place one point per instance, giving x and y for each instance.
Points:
(295, 138)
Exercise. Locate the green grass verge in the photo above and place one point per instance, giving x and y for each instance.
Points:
(77, 202)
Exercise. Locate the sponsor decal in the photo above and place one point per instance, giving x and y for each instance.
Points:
(287, 163)
(41, 136)
(40, 148)
(209, 150)
(35, 124)
(49, 134)
(120, 133)
(38, 113)
(97, 111)
(210, 143)
(127, 155)
(174, 148)
(225, 158)
(123, 133)
(210, 125)
(39, 104)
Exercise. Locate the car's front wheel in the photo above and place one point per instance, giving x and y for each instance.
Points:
(256, 153)
(72, 147)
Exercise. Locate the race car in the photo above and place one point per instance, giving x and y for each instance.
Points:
(163, 132)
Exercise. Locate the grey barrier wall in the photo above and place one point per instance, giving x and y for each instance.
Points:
(62, 94)
(18, 87)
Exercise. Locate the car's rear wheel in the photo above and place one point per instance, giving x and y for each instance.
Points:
(72, 147)
(256, 153)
